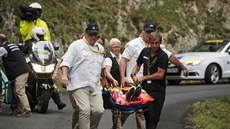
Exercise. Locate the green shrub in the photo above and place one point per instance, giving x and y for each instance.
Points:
(211, 114)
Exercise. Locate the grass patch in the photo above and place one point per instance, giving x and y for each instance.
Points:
(211, 114)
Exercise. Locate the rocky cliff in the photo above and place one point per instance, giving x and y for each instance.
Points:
(183, 23)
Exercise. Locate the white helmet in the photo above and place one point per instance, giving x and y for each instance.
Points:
(35, 5)
(38, 31)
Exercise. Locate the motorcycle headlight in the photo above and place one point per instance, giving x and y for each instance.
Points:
(43, 69)
(192, 62)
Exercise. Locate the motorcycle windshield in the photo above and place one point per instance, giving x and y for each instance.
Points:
(43, 51)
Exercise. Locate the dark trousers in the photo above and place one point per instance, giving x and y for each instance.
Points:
(56, 97)
(152, 116)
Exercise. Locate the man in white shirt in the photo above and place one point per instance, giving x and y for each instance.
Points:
(81, 73)
(133, 49)
(128, 61)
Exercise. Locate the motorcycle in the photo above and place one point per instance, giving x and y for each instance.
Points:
(40, 87)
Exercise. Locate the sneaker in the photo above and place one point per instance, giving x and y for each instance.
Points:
(17, 111)
(61, 106)
(130, 94)
(25, 114)
(136, 93)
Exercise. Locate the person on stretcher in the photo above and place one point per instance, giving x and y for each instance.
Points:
(130, 96)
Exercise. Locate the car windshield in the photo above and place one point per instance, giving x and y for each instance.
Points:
(210, 46)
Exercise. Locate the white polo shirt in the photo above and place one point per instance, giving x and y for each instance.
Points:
(84, 65)
(109, 62)
(132, 50)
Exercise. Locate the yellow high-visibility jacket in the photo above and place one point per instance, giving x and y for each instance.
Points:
(27, 26)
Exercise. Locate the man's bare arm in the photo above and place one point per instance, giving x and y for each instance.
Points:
(175, 61)
(122, 68)
(64, 79)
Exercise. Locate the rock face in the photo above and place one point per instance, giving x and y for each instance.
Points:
(208, 19)
(183, 23)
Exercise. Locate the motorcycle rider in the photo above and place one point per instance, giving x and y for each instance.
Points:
(27, 24)
(30, 18)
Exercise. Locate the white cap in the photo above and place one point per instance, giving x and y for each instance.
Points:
(38, 30)
(35, 5)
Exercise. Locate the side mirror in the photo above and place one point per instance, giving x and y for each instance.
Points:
(228, 51)
(56, 46)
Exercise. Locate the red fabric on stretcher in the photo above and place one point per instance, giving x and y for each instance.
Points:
(143, 98)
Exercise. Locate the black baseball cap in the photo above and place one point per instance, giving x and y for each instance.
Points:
(149, 27)
(92, 29)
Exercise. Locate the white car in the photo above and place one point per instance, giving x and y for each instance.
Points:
(208, 61)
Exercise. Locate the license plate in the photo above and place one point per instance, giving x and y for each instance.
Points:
(172, 70)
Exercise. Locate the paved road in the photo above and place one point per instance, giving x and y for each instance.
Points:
(178, 100)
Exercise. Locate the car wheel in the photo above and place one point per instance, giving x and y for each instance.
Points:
(174, 82)
(212, 74)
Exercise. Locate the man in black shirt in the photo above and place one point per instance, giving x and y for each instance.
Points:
(155, 62)
(16, 69)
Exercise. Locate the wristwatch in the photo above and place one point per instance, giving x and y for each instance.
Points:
(132, 75)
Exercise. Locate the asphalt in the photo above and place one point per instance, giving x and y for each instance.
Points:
(178, 102)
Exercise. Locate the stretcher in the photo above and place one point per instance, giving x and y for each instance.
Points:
(114, 99)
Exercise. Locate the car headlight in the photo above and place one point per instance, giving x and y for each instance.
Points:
(43, 69)
(192, 62)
